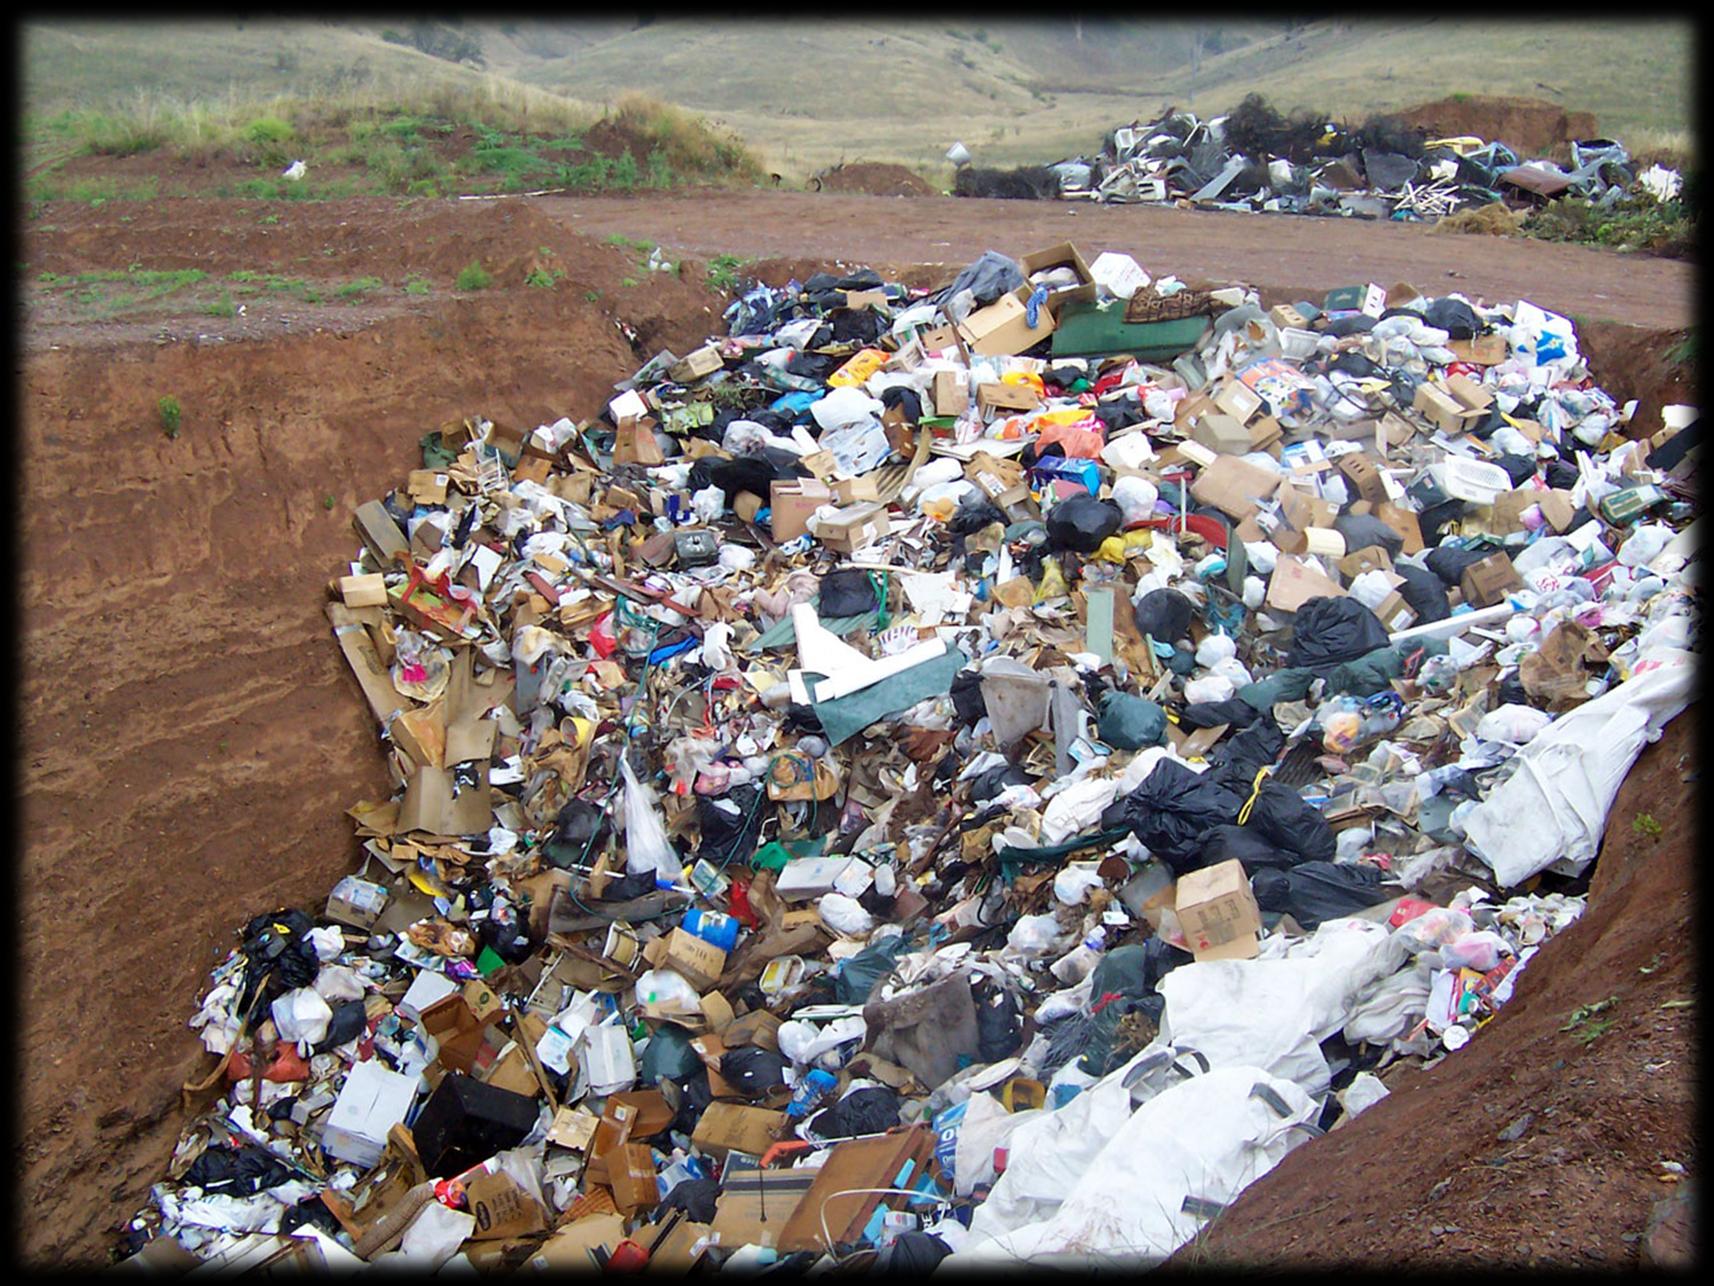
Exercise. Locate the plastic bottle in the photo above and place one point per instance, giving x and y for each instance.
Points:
(811, 1091)
(1078, 963)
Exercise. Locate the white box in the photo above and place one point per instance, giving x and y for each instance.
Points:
(809, 877)
(372, 1101)
(426, 988)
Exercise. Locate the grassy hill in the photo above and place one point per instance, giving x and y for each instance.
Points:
(807, 94)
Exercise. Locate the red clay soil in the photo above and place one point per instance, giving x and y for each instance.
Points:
(1526, 125)
(1295, 255)
(1424, 1179)
(191, 736)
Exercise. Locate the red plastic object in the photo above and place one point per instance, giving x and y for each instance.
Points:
(287, 1066)
(1210, 529)
(627, 1257)
(602, 638)
(1407, 910)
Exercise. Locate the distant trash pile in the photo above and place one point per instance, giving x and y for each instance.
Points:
(1252, 159)
(946, 778)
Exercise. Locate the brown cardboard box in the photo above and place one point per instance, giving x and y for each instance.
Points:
(1264, 432)
(1557, 508)
(1284, 315)
(1064, 255)
(995, 396)
(792, 503)
(570, 1245)
(693, 366)
(1442, 410)
(1364, 477)
(856, 526)
(951, 393)
(1303, 510)
(1234, 486)
(1404, 522)
(1218, 913)
(1294, 582)
(379, 533)
(938, 339)
(634, 443)
(649, 1113)
(1395, 613)
(363, 591)
(427, 486)
(1555, 672)
(754, 1028)
(1505, 515)
(1392, 432)
(1484, 350)
(1485, 583)
(1002, 329)
(865, 299)
(1238, 400)
(1468, 393)
(700, 962)
(736, 1127)
(1370, 558)
(503, 1209)
(631, 1175)
(1222, 433)
(849, 491)
(1000, 479)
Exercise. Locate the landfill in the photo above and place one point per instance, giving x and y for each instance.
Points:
(937, 779)
(1251, 159)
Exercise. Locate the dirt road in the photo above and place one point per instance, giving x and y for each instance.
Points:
(1296, 256)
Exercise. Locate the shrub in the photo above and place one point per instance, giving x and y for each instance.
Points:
(170, 413)
(474, 277)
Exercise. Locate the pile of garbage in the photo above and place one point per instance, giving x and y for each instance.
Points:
(1252, 160)
(971, 776)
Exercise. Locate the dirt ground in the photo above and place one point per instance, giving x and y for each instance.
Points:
(872, 178)
(1294, 255)
(191, 736)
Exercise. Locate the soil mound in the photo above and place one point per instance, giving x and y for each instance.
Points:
(873, 179)
(1523, 124)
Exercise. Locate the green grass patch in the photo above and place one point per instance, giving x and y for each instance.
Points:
(1683, 353)
(171, 414)
(473, 277)
(416, 286)
(723, 272)
(1638, 223)
(352, 291)
(222, 307)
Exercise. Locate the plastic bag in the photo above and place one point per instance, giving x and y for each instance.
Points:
(1327, 631)
(1130, 722)
(301, 1016)
(647, 848)
(1081, 523)
(845, 915)
(1209, 688)
(1514, 724)
(1164, 615)
(1034, 935)
(668, 989)
(1135, 497)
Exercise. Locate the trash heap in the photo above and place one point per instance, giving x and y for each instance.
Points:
(1253, 160)
(979, 774)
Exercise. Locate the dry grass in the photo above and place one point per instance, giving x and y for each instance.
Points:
(1673, 148)
(690, 144)
(1488, 220)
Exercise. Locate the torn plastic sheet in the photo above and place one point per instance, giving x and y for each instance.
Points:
(844, 717)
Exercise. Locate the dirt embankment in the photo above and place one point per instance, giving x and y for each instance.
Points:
(191, 734)
(1529, 126)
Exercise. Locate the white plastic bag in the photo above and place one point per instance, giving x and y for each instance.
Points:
(301, 1015)
(1135, 496)
(1034, 935)
(647, 847)
(1514, 724)
(845, 915)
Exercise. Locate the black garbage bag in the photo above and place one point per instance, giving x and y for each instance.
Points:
(730, 824)
(1081, 523)
(1243, 844)
(974, 512)
(632, 884)
(1130, 722)
(311, 1210)
(753, 1071)
(966, 696)
(866, 1111)
(859, 974)
(1164, 615)
(1238, 756)
(1449, 561)
(984, 786)
(1123, 982)
(237, 1172)
(1388, 171)
(987, 278)
(999, 1022)
(277, 948)
(1208, 714)
(1355, 324)
(1423, 592)
(1287, 821)
(1363, 530)
(508, 937)
(1512, 692)
(1327, 631)
(856, 326)
(696, 1197)
(1453, 316)
(694, 1096)
(1519, 468)
(349, 1019)
(1120, 414)
(1182, 662)
(847, 592)
(912, 1254)
(1311, 892)
(741, 473)
(1172, 810)
(906, 399)
(579, 831)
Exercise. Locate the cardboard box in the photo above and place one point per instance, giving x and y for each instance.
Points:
(994, 396)
(1264, 432)
(1303, 510)
(938, 339)
(1284, 315)
(700, 962)
(754, 1028)
(427, 486)
(1002, 329)
(356, 902)
(1064, 255)
(951, 394)
(1468, 393)
(791, 504)
(1440, 408)
(1403, 521)
(1485, 583)
(1222, 433)
(1364, 477)
(1557, 508)
(1395, 613)
(1294, 582)
(503, 1209)
(380, 534)
(1484, 350)
(372, 1101)
(1218, 914)
(1369, 299)
(1234, 486)
(363, 591)
(1238, 400)
(631, 1175)
(569, 1247)
(850, 491)
(1370, 558)
(736, 1127)
(856, 526)
(693, 366)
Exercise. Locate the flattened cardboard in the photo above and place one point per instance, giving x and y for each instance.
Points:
(724, 1128)
(1485, 583)
(373, 677)
(380, 534)
(995, 396)
(431, 806)
(1223, 434)
(951, 393)
(503, 1209)
(1294, 582)
(698, 961)
(1234, 486)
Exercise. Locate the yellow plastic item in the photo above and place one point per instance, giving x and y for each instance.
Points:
(1023, 379)
(1052, 581)
(1124, 545)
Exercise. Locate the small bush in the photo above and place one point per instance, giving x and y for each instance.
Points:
(268, 129)
(355, 290)
(416, 286)
(222, 307)
(170, 412)
(474, 277)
